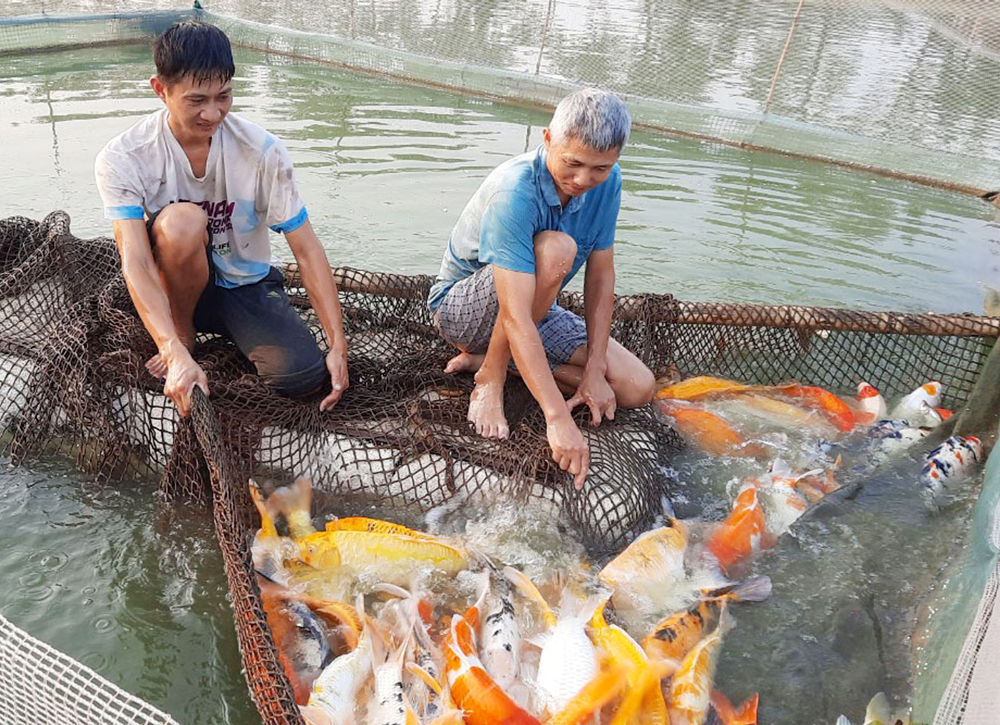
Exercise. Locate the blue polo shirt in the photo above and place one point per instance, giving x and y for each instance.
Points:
(515, 202)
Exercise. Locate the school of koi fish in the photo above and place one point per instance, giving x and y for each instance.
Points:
(377, 622)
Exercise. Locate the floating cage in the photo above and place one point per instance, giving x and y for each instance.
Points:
(73, 348)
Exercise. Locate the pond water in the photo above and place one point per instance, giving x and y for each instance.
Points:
(385, 168)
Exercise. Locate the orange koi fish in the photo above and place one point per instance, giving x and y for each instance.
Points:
(745, 714)
(674, 636)
(300, 637)
(835, 409)
(472, 689)
(708, 431)
(699, 387)
(743, 532)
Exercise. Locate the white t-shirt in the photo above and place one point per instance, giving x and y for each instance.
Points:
(248, 187)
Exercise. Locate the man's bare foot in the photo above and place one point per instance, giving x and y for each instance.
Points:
(464, 362)
(156, 366)
(486, 410)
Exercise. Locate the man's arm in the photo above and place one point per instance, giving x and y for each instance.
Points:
(598, 301)
(322, 290)
(142, 277)
(515, 292)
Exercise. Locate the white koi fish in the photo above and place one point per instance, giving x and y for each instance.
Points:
(909, 406)
(948, 465)
(500, 640)
(335, 691)
(568, 660)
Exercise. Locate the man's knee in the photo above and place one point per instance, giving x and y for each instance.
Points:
(290, 372)
(181, 229)
(636, 387)
(554, 255)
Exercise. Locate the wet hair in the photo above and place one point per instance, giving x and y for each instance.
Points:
(196, 49)
(593, 117)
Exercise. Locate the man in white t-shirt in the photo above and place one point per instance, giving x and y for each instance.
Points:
(192, 191)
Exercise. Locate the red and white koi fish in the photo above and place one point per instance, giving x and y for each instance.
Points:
(908, 408)
(870, 405)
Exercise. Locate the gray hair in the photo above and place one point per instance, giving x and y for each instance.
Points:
(593, 117)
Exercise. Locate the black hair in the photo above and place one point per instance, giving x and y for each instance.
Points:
(193, 48)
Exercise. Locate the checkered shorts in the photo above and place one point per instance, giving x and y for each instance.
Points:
(468, 312)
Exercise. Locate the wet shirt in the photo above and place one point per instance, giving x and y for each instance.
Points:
(248, 187)
(515, 202)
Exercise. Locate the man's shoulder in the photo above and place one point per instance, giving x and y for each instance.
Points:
(515, 180)
(253, 139)
(138, 137)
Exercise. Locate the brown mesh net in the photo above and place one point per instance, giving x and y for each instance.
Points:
(72, 376)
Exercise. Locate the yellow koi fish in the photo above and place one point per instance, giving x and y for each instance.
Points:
(691, 686)
(675, 636)
(625, 652)
(648, 566)
(699, 387)
(390, 557)
(597, 693)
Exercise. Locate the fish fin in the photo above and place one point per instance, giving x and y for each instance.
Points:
(315, 715)
(597, 619)
(381, 645)
(842, 720)
(754, 589)
(294, 502)
(451, 717)
(529, 590)
(267, 528)
(478, 556)
(878, 710)
(391, 590)
(668, 509)
(538, 640)
(428, 679)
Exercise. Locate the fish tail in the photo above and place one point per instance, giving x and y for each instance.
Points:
(294, 502)
(267, 528)
(746, 714)
(668, 509)
(529, 590)
(878, 709)
(426, 677)
(754, 589)
(316, 715)
(631, 705)
(597, 693)
(597, 621)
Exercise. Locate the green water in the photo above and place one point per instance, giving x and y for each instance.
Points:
(385, 169)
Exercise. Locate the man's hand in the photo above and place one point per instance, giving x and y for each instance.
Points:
(183, 373)
(569, 450)
(336, 363)
(595, 391)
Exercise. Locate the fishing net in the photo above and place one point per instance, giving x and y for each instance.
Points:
(72, 376)
(41, 684)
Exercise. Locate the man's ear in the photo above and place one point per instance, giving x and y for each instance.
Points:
(159, 87)
(547, 135)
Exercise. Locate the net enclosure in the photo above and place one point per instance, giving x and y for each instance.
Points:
(904, 87)
(73, 377)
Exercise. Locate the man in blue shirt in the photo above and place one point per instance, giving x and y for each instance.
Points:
(521, 238)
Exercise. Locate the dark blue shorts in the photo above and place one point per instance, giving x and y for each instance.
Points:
(260, 319)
